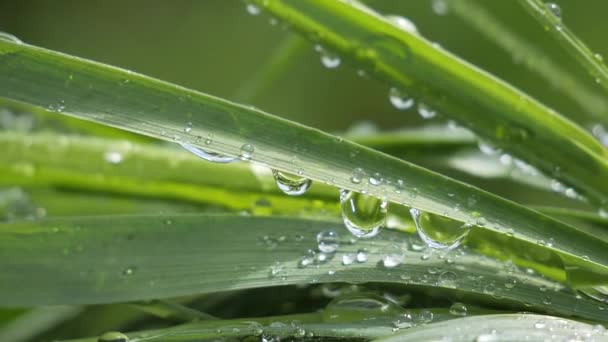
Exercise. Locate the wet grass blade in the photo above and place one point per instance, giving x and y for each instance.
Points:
(127, 258)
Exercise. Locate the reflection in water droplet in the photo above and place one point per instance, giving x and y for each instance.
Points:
(9, 38)
(291, 184)
(437, 231)
(113, 336)
(327, 241)
(403, 23)
(363, 215)
(400, 99)
(362, 255)
(208, 156)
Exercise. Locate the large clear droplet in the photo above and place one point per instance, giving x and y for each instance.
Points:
(327, 241)
(403, 23)
(400, 99)
(208, 156)
(363, 215)
(113, 336)
(437, 231)
(10, 38)
(291, 184)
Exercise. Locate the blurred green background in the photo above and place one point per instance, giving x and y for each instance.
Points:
(215, 46)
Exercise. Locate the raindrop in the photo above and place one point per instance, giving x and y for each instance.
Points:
(9, 38)
(510, 283)
(357, 176)
(362, 255)
(403, 23)
(113, 157)
(376, 179)
(394, 256)
(291, 184)
(603, 213)
(458, 309)
(328, 59)
(359, 307)
(208, 156)
(247, 151)
(253, 9)
(425, 111)
(437, 231)
(400, 99)
(448, 279)
(363, 215)
(129, 271)
(188, 127)
(348, 259)
(425, 316)
(327, 241)
(113, 336)
(554, 9)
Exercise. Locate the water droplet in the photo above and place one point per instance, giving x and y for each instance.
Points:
(487, 148)
(425, 111)
(362, 255)
(9, 38)
(328, 59)
(448, 279)
(358, 307)
(247, 151)
(598, 57)
(113, 336)
(540, 325)
(208, 156)
(113, 157)
(188, 127)
(357, 176)
(547, 300)
(129, 271)
(440, 7)
(348, 259)
(437, 231)
(400, 99)
(291, 184)
(363, 215)
(327, 241)
(376, 179)
(554, 9)
(394, 255)
(403, 23)
(510, 283)
(425, 316)
(458, 309)
(603, 213)
(253, 9)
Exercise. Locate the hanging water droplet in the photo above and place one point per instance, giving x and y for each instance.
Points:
(394, 256)
(291, 184)
(188, 127)
(208, 156)
(357, 176)
(328, 59)
(554, 9)
(403, 23)
(437, 231)
(113, 336)
(9, 38)
(440, 7)
(327, 241)
(363, 215)
(458, 309)
(400, 99)
(247, 151)
(425, 111)
(113, 157)
(253, 9)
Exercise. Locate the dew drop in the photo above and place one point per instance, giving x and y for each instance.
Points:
(113, 157)
(208, 156)
(328, 59)
(357, 176)
(247, 151)
(458, 309)
(253, 9)
(361, 255)
(129, 271)
(403, 23)
(425, 111)
(437, 231)
(327, 241)
(9, 38)
(188, 127)
(363, 215)
(425, 316)
(554, 9)
(394, 256)
(400, 99)
(440, 7)
(376, 179)
(113, 336)
(348, 259)
(291, 184)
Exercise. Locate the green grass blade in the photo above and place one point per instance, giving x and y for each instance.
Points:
(570, 42)
(491, 108)
(29, 324)
(120, 98)
(535, 60)
(508, 327)
(127, 258)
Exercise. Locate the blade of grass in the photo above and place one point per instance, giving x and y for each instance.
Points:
(121, 258)
(570, 42)
(119, 98)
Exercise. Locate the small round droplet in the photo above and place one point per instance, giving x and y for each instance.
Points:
(403, 23)
(363, 215)
(400, 99)
(348, 259)
(458, 309)
(113, 157)
(9, 38)
(540, 324)
(394, 256)
(327, 241)
(437, 231)
(113, 336)
(376, 179)
(425, 111)
(440, 7)
(247, 151)
(425, 316)
(129, 271)
(253, 9)
(328, 59)
(357, 176)
(291, 184)
(362, 255)
(554, 9)
(188, 127)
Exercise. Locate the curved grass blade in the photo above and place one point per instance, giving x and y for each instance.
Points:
(122, 99)
(126, 258)
(505, 327)
(532, 58)
(491, 108)
(593, 62)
